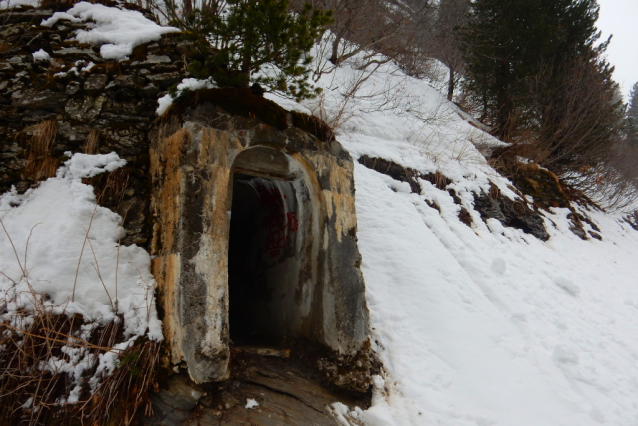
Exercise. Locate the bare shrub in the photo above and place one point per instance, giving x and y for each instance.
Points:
(371, 27)
(53, 367)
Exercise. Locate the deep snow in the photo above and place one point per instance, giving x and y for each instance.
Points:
(60, 245)
(483, 325)
(475, 326)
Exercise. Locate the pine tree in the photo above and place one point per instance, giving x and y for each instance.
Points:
(253, 41)
(507, 43)
(632, 116)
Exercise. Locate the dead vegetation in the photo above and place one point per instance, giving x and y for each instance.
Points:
(92, 142)
(59, 368)
(40, 163)
(42, 353)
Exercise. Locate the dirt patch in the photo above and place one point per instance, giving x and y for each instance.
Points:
(262, 390)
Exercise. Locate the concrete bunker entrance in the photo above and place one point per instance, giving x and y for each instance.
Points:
(265, 239)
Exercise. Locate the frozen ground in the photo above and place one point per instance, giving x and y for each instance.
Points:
(483, 325)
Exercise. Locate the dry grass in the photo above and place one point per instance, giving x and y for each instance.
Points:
(31, 385)
(92, 142)
(40, 164)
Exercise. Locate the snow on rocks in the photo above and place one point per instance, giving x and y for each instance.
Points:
(187, 84)
(63, 248)
(118, 31)
(41, 55)
(251, 403)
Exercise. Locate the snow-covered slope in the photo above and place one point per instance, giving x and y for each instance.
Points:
(483, 325)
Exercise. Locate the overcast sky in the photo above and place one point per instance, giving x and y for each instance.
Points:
(620, 18)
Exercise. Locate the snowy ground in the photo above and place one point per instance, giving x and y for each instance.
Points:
(475, 326)
(484, 325)
(60, 254)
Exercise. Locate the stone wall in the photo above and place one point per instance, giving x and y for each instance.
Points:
(79, 102)
(177, 187)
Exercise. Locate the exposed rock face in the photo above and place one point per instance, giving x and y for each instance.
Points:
(312, 286)
(99, 108)
(515, 214)
(542, 185)
(404, 174)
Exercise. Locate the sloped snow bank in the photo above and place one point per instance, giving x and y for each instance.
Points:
(118, 31)
(58, 245)
(481, 325)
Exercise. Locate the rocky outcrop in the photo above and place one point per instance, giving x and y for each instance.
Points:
(513, 213)
(281, 392)
(493, 205)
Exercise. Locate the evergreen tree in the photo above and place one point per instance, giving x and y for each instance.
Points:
(632, 116)
(507, 43)
(258, 41)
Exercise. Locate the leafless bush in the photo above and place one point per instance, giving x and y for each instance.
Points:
(580, 120)
(372, 27)
(445, 40)
(50, 359)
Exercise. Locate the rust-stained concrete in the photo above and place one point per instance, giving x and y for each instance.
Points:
(316, 278)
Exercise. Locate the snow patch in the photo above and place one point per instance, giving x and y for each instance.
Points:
(56, 229)
(118, 31)
(251, 403)
(41, 55)
(567, 285)
(187, 84)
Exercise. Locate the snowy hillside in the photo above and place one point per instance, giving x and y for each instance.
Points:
(475, 324)
(484, 325)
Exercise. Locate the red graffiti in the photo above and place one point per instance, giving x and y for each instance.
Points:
(278, 222)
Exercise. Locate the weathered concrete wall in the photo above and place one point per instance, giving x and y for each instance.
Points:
(193, 157)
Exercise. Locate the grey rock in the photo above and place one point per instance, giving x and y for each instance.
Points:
(125, 81)
(73, 87)
(5, 66)
(86, 109)
(165, 79)
(120, 118)
(95, 82)
(515, 214)
(73, 52)
(73, 132)
(152, 60)
(10, 31)
(151, 89)
(35, 99)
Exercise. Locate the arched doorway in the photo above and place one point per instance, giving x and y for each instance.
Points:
(265, 243)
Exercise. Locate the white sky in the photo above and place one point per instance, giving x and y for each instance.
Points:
(620, 18)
